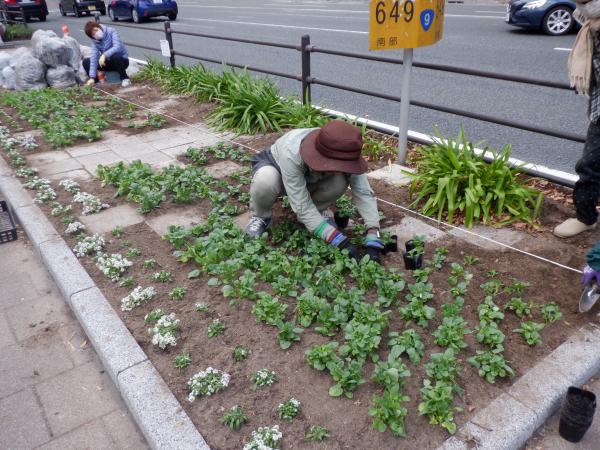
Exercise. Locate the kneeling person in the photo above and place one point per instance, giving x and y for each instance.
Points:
(108, 53)
(314, 167)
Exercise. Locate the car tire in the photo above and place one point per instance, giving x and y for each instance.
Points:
(42, 17)
(112, 15)
(135, 16)
(172, 17)
(76, 12)
(62, 11)
(558, 21)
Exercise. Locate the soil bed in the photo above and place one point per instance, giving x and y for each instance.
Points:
(347, 419)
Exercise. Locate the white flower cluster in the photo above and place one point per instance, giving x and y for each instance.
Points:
(265, 438)
(289, 409)
(113, 266)
(27, 142)
(137, 297)
(7, 142)
(44, 195)
(60, 210)
(89, 245)
(37, 183)
(75, 227)
(91, 204)
(70, 186)
(264, 377)
(26, 172)
(207, 382)
(163, 333)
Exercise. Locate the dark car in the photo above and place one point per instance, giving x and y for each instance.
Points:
(80, 7)
(140, 10)
(10, 9)
(554, 17)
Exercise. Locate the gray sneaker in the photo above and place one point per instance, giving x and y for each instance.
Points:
(257, 226)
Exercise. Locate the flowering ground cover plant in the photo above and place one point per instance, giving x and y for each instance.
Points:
(164, 332)
(137, 297)
(207, 382)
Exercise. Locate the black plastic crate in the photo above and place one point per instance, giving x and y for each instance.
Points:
(8, 231)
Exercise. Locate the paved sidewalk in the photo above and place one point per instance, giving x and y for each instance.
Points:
(54, 393)
(547, 437)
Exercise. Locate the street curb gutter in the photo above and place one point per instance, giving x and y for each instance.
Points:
(510, 420)
(158, 414)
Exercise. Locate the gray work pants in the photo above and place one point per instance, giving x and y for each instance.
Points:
(267, 187)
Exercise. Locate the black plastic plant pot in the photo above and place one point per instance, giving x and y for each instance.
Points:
(341, 221)
(412, 262)
(392, 246)
(577, 414)
(410, 245)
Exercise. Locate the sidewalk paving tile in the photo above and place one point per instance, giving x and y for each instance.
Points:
(130, 148)
(504, 235)
(393, 174)
(107, 158)
(77, 344)
(87, 149)
(155, 159)
(222, 169)
(59, 167)
(176, 151)
(171, 141)
(92, 435)
(6, 335)
(108, 219)
(44, 158)
(22, 421)
(17, 287)
(123, 431)
(90, 393)
(186, 217)
(77, 175)
(33, 317)
(30, 362)
(409, 227)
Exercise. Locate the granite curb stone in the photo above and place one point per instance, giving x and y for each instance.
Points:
(113, 342)
(158, 413)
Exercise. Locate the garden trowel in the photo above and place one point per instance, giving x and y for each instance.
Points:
(589, 296)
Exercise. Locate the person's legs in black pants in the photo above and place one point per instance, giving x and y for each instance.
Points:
(118, 64)
(587, 189)
(86, 66)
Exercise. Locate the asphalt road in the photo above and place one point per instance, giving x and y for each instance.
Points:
(475, 36)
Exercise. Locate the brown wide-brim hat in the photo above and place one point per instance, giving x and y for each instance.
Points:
(336, 147)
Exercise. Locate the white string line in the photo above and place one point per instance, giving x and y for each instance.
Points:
(205, 130)
(463, 230)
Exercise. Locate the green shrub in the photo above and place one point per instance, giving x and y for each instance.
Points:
(452, 179)
(245, 104)
(14, 32)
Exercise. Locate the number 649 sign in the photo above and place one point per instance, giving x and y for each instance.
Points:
(405, 23)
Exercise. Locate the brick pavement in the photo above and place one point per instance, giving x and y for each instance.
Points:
(54, 393)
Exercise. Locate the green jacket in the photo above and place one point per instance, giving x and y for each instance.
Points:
(296, 175)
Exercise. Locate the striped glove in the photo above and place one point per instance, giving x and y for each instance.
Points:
(333, 236)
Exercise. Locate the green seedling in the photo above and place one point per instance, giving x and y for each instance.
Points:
(234, 418)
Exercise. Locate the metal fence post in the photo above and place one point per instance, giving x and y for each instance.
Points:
(169, 37)
(304, 48)
(97, 17)
(405, 103)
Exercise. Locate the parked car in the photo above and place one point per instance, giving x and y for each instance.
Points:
(554, 17)
(140, 10)
(9, 9)
(79, 7)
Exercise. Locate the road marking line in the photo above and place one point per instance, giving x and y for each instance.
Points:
(561, 49)
(471, 16)
(493, 12)
(273, 25)
(271, 9)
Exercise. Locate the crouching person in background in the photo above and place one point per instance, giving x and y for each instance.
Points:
(108, 53)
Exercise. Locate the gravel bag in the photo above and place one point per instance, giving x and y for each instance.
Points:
(61, 77)
(75, 56)
(9, 78)
(51, 50)
(4, 61)
(30, 71)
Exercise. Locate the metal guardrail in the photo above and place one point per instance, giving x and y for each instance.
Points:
(307, 80)
(18, 17)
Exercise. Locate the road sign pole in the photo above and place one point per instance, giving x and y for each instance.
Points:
(405, 102)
